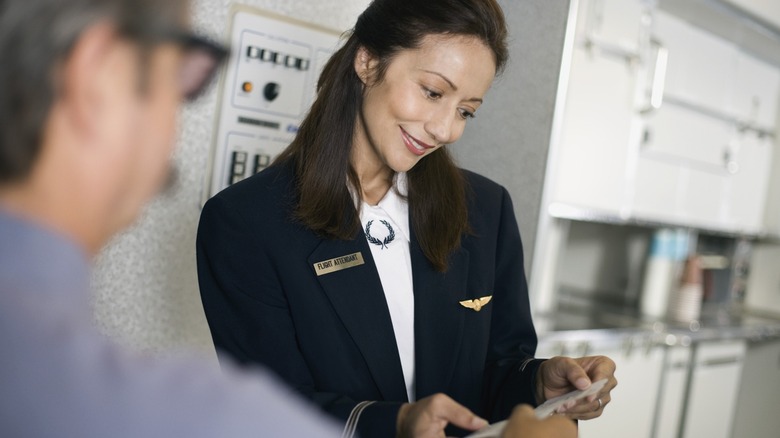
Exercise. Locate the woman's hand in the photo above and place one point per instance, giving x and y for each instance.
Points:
(428, 417)
(560, 375)
(524, 424)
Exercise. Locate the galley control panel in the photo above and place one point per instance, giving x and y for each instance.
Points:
(266, 88)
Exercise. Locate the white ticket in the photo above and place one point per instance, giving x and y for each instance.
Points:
(544, 410)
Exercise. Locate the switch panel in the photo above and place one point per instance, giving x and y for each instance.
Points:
(266, 88)
(238, 166)
(261, 162)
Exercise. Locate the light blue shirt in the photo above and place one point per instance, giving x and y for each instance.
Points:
(59, 377)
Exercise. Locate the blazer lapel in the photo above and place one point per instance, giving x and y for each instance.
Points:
(357, 295)
(438, 318)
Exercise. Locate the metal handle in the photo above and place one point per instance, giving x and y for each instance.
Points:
(659, 77)
(720, 361)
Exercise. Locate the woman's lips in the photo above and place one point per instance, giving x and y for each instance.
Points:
(415, 146)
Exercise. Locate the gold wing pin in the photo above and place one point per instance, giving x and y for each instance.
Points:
(477, 303)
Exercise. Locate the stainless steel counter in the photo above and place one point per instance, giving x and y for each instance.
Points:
(604, 326)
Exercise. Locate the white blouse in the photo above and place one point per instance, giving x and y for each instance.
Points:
(386, 226)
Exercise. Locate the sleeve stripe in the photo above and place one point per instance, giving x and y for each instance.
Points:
(351, 427)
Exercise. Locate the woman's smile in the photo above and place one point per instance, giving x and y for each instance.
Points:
(415, 146)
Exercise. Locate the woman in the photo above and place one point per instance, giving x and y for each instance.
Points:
(364, 267)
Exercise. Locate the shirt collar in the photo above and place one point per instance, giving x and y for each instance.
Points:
(394, 204)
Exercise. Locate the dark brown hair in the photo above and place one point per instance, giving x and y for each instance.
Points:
(321, 151)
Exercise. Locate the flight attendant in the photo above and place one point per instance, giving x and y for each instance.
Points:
(364, 267)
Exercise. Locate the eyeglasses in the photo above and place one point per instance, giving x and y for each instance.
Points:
(200, 61)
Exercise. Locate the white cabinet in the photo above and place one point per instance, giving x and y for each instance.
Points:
(701, 66)
(639, 364)
(763, 288)
(681, 172)
(772, 208)
(678, 391)
(759, 392)
(756, 91)
(687, 138)
(712, 396)
(671, 400)
(752, 151)
(704, 160)
(599, 106)
(701, 159)
(614, 22)
(746, 192)
(721, 182)
(767, 10)
(633, 400)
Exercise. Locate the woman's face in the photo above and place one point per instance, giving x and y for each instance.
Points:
(423, 102)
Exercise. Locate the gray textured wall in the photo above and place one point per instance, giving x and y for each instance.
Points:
(145, 281)
(146, 293)
(509, 139)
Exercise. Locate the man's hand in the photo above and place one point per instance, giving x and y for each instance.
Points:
(560, 375)
(524, 424)
(428, 417)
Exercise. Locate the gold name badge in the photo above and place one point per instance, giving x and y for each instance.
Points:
(338, 264)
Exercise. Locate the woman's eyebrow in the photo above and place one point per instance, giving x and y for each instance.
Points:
(452, 85)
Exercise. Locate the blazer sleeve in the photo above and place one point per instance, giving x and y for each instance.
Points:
(249, 317)
(510, 368)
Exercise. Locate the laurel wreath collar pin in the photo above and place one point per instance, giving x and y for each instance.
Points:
(384, 242)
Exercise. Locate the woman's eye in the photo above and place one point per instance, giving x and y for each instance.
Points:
(466, 114)
(430, 94)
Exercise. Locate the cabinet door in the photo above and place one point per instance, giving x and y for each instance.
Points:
(756, 93)
(596, 132)
(681, 169)
(632, 408)
(596, 129)
(688, 137)
(772, 205)
(763, 288)
(671, 400)
(713, 392)
(701, 66)
(746, 191)
(759, 393)
(615, 22)
(658, 195)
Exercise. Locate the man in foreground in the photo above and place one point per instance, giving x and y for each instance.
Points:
(89, 91)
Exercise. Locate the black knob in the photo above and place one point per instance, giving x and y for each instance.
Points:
(271, 91)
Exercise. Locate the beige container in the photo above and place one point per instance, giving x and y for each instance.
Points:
(685, 302)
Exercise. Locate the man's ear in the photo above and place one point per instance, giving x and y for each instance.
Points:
(365, 65)
(82, 83)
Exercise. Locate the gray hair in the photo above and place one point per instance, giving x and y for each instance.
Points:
(35, 37)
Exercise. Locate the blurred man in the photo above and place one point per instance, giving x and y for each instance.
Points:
(88, 96)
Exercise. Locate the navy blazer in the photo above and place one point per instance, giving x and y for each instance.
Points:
(331, 337)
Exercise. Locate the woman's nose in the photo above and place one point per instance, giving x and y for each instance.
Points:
(439, 126)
